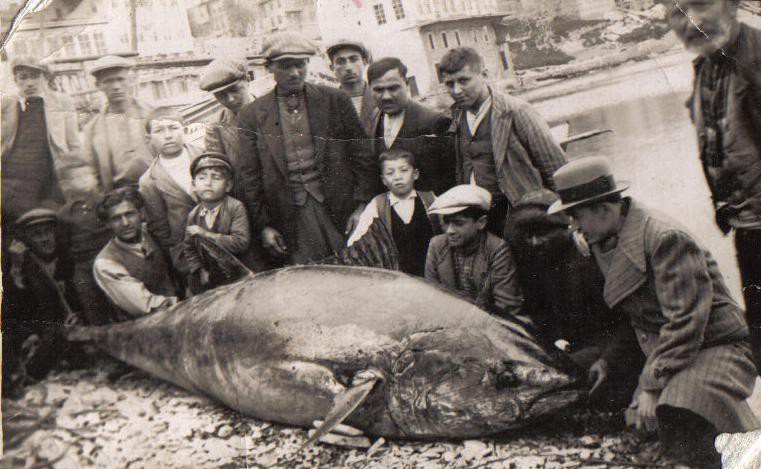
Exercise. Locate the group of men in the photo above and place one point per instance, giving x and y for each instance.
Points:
(128, 219)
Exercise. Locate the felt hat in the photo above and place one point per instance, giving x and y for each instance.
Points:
(459, 198)
(347, 44)
(36, 216)
(287, 45)
(582, 181)
(222, 73)
(108, 62)
(210, 159)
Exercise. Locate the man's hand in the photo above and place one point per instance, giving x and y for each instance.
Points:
(194, 230)
(204, 277)
(273, 241)
(641, 412)
(598, 373)
(354, 219)
(17, 250)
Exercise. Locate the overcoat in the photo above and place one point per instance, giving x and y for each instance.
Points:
(525, 153)
(686, 322)
(347, 170)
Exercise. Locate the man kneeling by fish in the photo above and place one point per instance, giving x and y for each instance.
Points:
(131, 269)
(698, 371)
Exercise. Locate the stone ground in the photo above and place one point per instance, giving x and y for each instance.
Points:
(103, 417)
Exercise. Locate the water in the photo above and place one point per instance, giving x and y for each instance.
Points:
(653, 146)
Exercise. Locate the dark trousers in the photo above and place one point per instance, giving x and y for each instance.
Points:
(687, 438)
(748, 248)
(495, 225)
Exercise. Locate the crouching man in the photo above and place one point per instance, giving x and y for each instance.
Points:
(468, 259)
(699, 370)
(132, 270)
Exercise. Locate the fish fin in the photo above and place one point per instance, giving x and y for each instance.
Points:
(230, 265)
(343, 406)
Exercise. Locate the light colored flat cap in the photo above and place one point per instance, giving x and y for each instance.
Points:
(348, 44)
(222, 73)
(459, 198)
(28, 61)
(287, 45)
(108, 62)
(36, 216)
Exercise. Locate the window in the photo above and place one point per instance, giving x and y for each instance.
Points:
(486, 34)
(84, 44)
(475, 36)
(398, 9)
(100, 43)
(431, 41)
(380, 14)
(457, 38)
(68, 46)
(444, 40)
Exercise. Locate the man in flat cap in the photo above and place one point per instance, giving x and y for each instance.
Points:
(38, 296)
(348, 61)
(307, 169)
(724, 107)
(470, 260)
(699, 369)
(41, 151)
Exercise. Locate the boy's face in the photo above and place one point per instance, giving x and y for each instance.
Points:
(399, 176)
(41, 238)
(461, 230)
(212, 184)
(466, 86)
(125, 220)
(29, 81)
(167, 137)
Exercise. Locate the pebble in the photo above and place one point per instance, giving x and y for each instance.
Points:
(225, 431)
(590, 441)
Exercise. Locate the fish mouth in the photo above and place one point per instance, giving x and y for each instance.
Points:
(548, 402)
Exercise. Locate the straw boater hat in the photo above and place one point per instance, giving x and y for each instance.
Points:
(582, 181)
(222, 73)
(287, 45)
(459, 198)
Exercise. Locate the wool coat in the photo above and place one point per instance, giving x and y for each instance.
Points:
(525, 153)
(685, 320)
(347, 170)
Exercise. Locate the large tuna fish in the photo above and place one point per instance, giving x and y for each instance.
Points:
(286, 346)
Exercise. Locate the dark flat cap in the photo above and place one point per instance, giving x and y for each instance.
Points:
(210, 159)
(287, 45)
(222, 73)
(36, 216)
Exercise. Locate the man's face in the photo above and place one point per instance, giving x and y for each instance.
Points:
(467, 87)
(125, 221)
(41, 238)
(596, 222)
(348, 66)
(211, 184)
(462, 231)
(704, 26)
(289, 73)
(235, 96)
(30, 82)
(399, 176)
(115, 83)
(167, 137)
(391, 92)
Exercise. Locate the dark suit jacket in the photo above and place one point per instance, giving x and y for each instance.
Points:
(348, 172)
(422, 134)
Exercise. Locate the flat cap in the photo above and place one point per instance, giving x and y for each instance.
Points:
(108, 62)
(287, 45)
(222, 73)
(28, 61)
(459, 198)
(36, 216)
(347, 44)
(210, 159)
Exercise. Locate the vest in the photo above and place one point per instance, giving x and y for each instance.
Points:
(412, 239)
(478, 155)
(152, 270)
(27, 170)
(303, 174)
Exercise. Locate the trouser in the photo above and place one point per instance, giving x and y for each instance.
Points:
(748, 248)
(687, 438)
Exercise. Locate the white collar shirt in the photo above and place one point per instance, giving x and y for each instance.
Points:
(475, 119)
(391, 127)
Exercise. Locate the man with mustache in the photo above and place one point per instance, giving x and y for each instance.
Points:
(404, 124)
(348, 61)
(501, 143)
(307, 171)
(725, 109)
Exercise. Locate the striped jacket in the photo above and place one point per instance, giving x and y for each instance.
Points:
(525, 153)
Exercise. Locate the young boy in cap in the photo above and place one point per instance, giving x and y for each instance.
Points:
(167, 186)
(218, 218)
(470, 260)
(37, 299)
(402, 210)
(699, 369)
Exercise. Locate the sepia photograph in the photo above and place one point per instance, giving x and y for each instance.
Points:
(380, 233)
